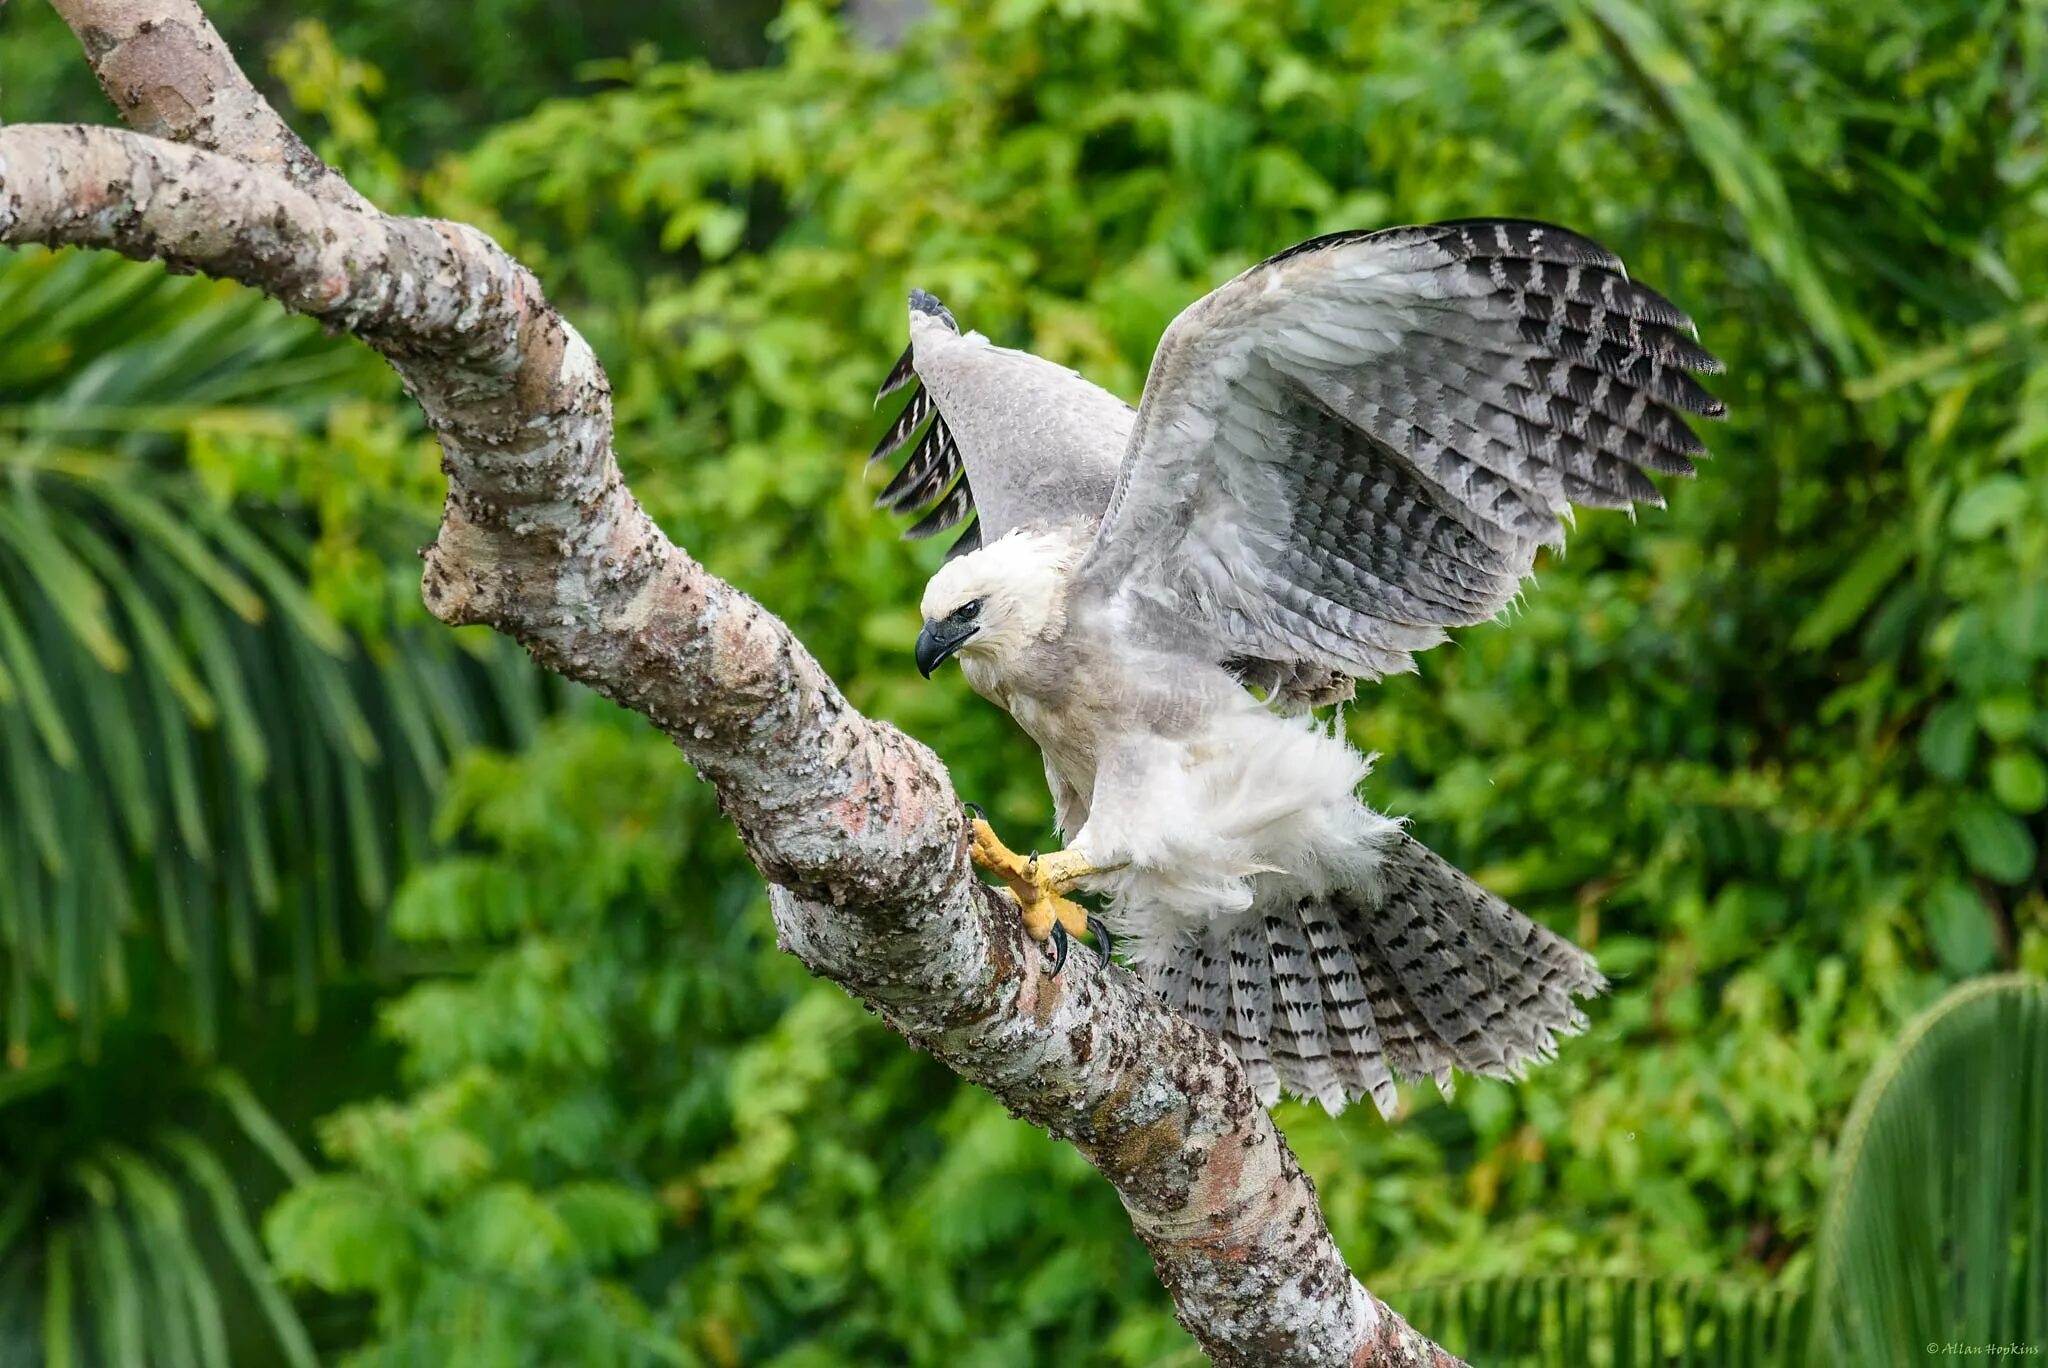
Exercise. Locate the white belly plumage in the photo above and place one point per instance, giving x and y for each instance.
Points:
(1251, 812)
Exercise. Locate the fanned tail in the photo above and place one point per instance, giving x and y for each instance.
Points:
(1334, 997)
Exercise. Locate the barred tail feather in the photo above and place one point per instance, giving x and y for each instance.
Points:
(1495, 988)
(1249, 1025)
(1301, 1035)
(1333, 997)
(1209, 988)
(1358, 1048)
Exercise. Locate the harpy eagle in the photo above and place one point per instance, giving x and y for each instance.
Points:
(1350, 447)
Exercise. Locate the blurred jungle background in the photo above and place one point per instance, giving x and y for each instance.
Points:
(369, 997)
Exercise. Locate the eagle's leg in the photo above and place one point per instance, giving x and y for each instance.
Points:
(1038, 882)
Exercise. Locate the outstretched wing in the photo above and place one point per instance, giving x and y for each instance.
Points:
(1008, 437)
(1364, 439)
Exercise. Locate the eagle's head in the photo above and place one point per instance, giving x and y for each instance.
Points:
(994, 605)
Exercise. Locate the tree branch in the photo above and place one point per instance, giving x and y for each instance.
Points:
(854, 824)
(171, 76)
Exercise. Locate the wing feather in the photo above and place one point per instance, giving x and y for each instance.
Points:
(1364, 439)
(904, 428)
(1008, 438)
(949, 511)
(935, 462)
(934, 469)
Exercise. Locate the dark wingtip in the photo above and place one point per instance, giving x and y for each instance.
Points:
(929, 304)
(968, 542)
(904, 372)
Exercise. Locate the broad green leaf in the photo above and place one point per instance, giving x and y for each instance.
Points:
(2020, 780)
(606, 1223)
(341, 1235)
(1996, 502)
(1960, 926)
(1942, 1180)
(1948, 742)
(2007, 717)
(1996, 843)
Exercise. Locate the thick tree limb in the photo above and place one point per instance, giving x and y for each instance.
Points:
(854, 824)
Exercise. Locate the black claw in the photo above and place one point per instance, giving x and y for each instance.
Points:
(1104, 942)
(976, 810)
(1059, 949)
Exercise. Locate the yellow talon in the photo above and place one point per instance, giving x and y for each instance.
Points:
(1036, 882)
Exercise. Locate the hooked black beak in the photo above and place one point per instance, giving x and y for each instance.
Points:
(939, 640)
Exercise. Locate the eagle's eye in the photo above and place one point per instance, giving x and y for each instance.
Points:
(968, 611)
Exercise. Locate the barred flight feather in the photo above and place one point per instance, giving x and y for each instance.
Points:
(968, 542)
(1496, 371)
(935, 463)
(948, 512)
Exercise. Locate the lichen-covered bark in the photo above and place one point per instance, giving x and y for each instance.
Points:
(854, 824)
(168, 72)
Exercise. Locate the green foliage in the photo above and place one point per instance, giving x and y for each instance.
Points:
(223, 720)
(1779, 754)
(1936, 1229)
(1752, 747)
(464, 1215)
(463, 65)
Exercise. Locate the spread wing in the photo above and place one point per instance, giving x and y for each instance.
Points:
(1007, 437)
(1364, 439)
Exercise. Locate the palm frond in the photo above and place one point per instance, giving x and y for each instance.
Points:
(1936, 1228)
(1572, 1320)
(105, 1244)
(213, 774)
